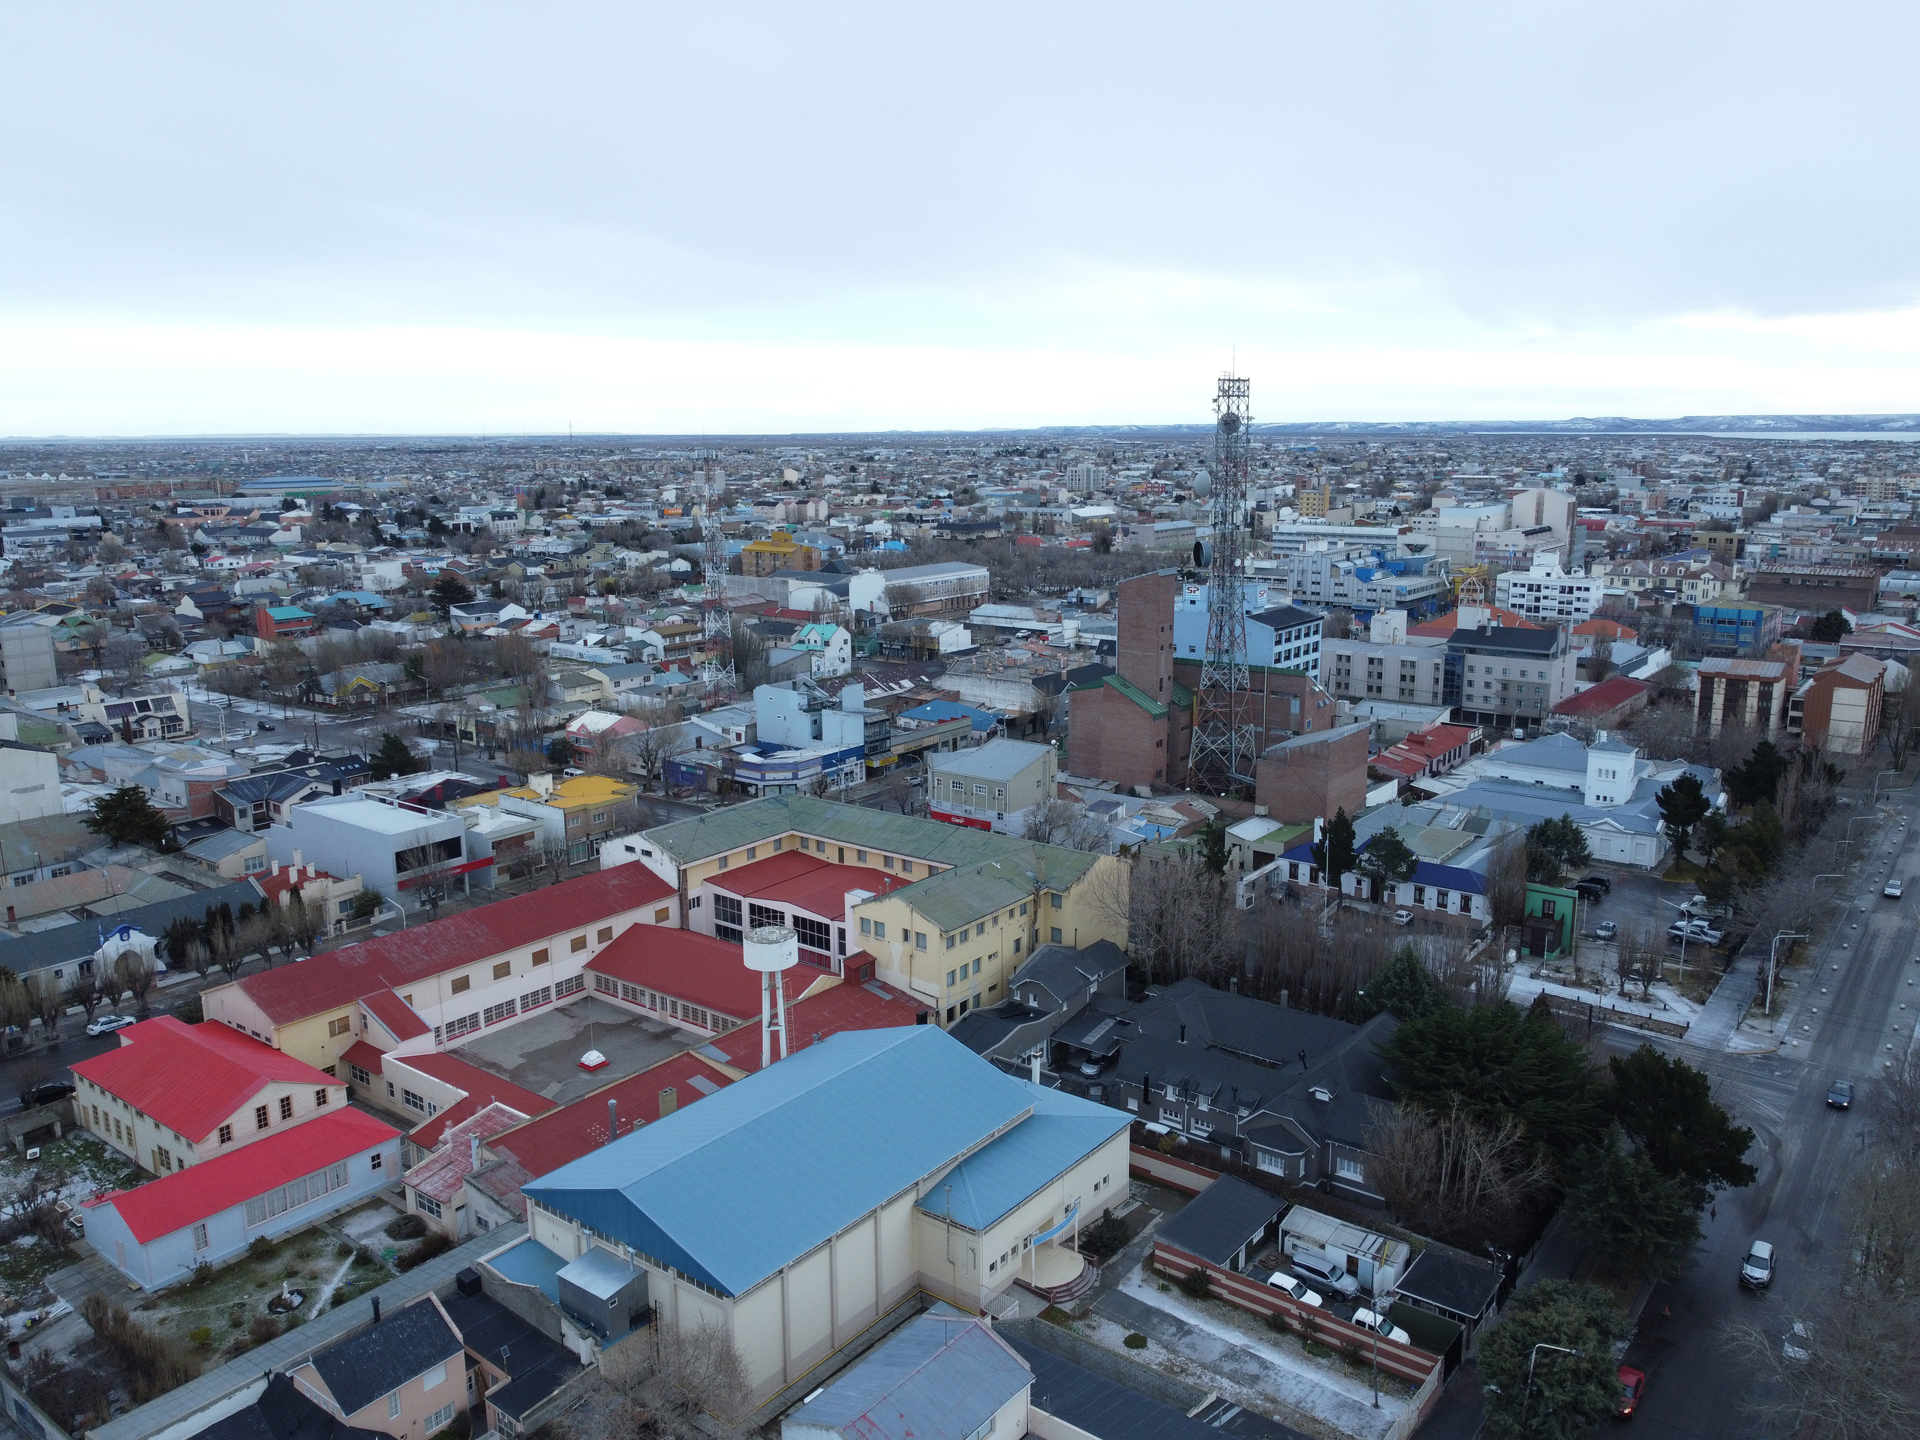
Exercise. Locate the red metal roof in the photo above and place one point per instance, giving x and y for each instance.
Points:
(339, 977)
(190, 1078)
(287, 878)
(804, 882)
(391, 1011)
(1599, 699)
(545, 1144)
(480, 1087)
(185, 1197)
(442, 1174)
(850, 1005)
(690, 966)
(365, 1056)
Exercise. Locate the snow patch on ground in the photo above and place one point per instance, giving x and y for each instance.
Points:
(1299, 1380)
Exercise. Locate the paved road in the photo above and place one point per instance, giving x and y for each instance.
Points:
(41, 1063)
(1805, 1151)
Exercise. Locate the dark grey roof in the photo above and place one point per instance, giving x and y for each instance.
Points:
(70, 942)
(1095, 1028)
(1508, 639)
(1456, 1284)
(1286, 617)
(383, 1357)
(1101, 1407)
(1222, 1218)
(940, 1376)
(1236, 1023)
(1006, 1029)
(535, 1365)
(283, 1413)
(1063, 971)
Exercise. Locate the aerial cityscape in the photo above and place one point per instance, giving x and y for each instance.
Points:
(845, 725)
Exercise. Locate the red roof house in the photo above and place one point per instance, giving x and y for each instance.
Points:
(1609, 704)
(158, 1232)
(692, 980)
(175, 1095)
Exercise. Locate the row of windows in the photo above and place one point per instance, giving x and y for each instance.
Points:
(298, 1192)
(665, 1005)
(503, 969)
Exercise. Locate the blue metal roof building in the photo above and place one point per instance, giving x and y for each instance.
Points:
(801, 1204)
(732, 1189)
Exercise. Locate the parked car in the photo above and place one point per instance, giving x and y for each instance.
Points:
(1698, 931)
(46, 1094)
(1840, 1095)
(1381, 1326)
(1756, 1271)
(1403, 917)
(1798, 1344)
(1293, 1289)
(263, 725)
(1606, 930)
(107, 1024)
(1602, 881)
(1090, 1068)
(1633, 1384)
(1588, 891)
(1892, 890)
(1324, 1272)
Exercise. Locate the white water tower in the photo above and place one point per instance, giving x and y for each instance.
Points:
(771, 949)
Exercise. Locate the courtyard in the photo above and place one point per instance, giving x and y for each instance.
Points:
(542, 1054)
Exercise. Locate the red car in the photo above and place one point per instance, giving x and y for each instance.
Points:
(1633, 1384)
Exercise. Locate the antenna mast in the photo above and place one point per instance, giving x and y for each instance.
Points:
(1223, 756)
(716, 622)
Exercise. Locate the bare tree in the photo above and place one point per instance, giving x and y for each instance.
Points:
(85, 988)
(1061, 822)
(650, 750)
(1182, 920)
(1451, 1176)
(45, 1000)
(133, 974)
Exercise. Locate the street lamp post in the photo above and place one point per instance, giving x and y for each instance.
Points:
(1532, 1356)
(1379, 1319)
(1771, 954)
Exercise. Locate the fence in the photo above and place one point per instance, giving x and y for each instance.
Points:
(1177, 1174)
(1402, 1361)
(1608, 1015)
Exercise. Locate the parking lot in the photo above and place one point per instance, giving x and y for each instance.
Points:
(543, 1054)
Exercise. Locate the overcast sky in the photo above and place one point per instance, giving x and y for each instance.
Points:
(731, 218)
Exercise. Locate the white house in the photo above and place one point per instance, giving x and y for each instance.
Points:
(155, 1234)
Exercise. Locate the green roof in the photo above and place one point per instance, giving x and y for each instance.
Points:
(1183, 695)
(986, 871)
(1138, 696)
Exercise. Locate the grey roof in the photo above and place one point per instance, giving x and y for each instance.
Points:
(383, 1357)
(1508, 640)
(999, 759)
(70, 942)
(283, 1413)
(535, 1365)
(1459, 1285)
(222, 843)
(1096, 1405)
(1221, 1218)
(1318, 737)
(599, 1272)
(1062, 970)
(1557, 752)
(1286, 617)
(1005, 1030)
(938, 1377)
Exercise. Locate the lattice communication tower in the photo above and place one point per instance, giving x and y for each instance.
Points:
(715, 620)
(1223, 753)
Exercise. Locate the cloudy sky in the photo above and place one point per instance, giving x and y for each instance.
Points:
(485, 218)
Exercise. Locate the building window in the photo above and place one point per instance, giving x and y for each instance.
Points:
(726, 917)
(319, 1098)
(226, 1134)
(860, 857)
(814, 934)
(492, 1015)
(393, 1400)
(439, 1419)
(879, 929)
(1347, 1168)
(339, 1025)
(461, 984)
(1055, 935)
(286, 1107)
(605, 934)
(200, 1236)
(577, 944)
(505, 968)
(376, 1161)
(260, 1120)
(919, 939)
(355, 1074)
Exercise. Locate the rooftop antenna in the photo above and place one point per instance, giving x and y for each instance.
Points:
(1223, 751)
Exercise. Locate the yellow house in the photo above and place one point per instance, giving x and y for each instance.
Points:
(960, 898)
(576, 812)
